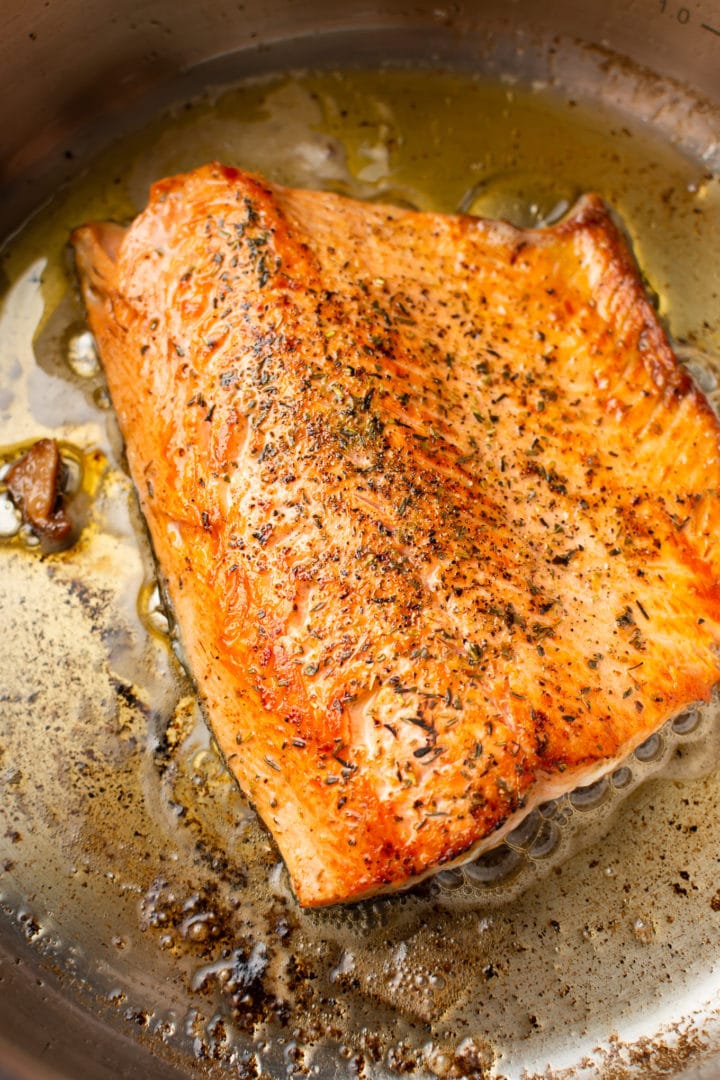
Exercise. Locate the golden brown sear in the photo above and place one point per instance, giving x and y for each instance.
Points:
(435, 504)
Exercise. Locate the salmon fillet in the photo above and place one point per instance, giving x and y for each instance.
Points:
(434, 503)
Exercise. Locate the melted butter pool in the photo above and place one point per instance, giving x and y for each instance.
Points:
(128, 857)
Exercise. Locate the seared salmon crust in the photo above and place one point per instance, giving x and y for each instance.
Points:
(434, 503)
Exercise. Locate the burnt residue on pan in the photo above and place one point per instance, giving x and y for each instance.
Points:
(129, 859)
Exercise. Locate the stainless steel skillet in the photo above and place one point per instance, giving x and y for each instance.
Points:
(71, 76)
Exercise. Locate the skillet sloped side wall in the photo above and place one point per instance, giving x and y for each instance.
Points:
(65, 65)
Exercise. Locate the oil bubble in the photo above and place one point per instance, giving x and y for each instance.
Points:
(587, 798)
(651, 749)
(439, 1063)
(621, 777)
(72, 473)
(29, 925)
(28, 536)
(10, 519)
(394, 197)
(165, 1029)
(525, 199)
(82, 356)
(199, 928)
(151, 609)
(643, 930)
(494, 867)
(526, 831)
(345, 966)
(701, 367)
(704, 369)
(450, 879)
(101, 397)
(686, 722)
(546, 841)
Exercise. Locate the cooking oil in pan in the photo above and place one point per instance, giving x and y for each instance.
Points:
(128, 856)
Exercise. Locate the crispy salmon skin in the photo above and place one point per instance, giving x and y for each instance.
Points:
(434, 502)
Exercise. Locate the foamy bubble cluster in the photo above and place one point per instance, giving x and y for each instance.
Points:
(557, 829)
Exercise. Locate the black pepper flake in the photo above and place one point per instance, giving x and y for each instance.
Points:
(474, 651)
(263, 535)
(625, 618)
(564, 560)
(418, 721)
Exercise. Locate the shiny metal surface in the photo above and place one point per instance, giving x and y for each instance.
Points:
(71, 74)
(64, 66)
